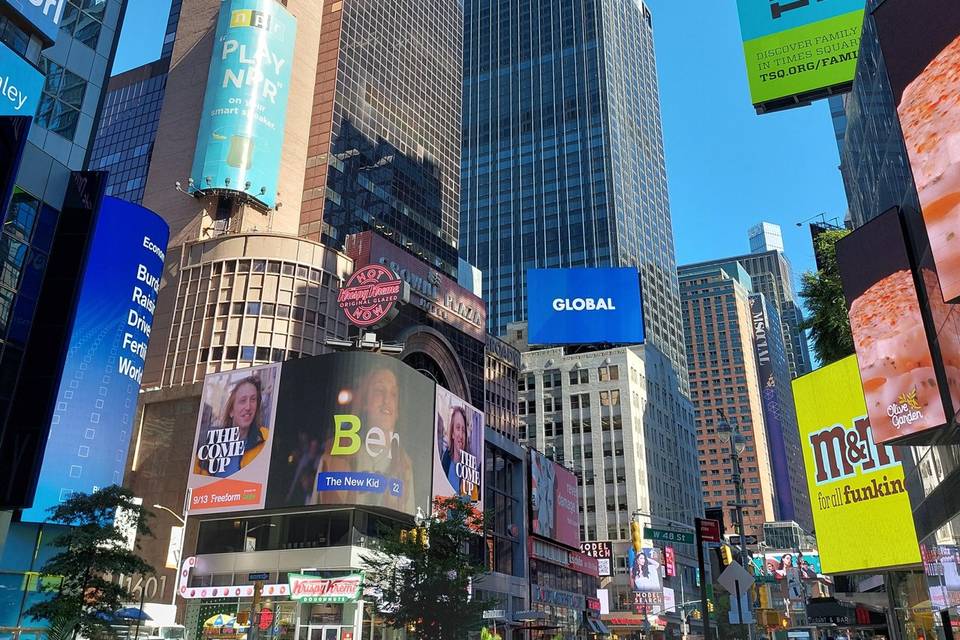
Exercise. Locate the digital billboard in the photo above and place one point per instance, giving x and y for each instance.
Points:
(779, 565)
(20, 85)
(584, 306)
(234, 440)
(458, 449)
(920, 40)
(853, 481)
(353, 429)
(44, 15)
(645, 580)
(798, 47)
(896, 363)
(86, 447)
(770, 402)
(603, 552)
(240, 138)
(554, 503)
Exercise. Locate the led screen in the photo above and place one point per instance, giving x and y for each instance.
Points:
(854, 482)
(240, 138)
(584, 306)
(920, 40)
(97, 398)
(896, 362)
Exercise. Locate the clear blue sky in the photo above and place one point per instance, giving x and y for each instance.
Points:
(727, 167)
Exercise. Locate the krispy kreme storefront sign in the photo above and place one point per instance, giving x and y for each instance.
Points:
(325, 590)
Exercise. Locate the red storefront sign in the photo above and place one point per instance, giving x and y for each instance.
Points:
(669, 561)
(334, 590)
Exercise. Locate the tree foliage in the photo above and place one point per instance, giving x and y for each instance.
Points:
(92, 548)
(424, 578)
(822, 293)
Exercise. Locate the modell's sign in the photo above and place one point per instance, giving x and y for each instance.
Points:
(370, 297)
(325, 590)
(437, 294)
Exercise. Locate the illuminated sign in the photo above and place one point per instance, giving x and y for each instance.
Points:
(896, 362)
(852, 479)
(240, 139)
(458, 451)
(45, 15)
(369, 298)
(20, 85)
(96, 403)
(798, 49)
(920, 40)
(343, 589)
(584, 306)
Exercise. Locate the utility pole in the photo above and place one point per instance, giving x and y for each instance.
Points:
(729, 432)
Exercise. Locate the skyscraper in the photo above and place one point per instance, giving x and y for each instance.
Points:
(772, 275)
(725, 388)
(563, 153)
(765, 237)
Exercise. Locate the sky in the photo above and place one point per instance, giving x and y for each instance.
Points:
(727, 167)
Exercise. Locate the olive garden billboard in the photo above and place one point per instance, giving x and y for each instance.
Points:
(852, 480)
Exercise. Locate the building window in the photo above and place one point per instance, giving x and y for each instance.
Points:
(83, 20)
(609, 373)
(61, 100)
(579, 376)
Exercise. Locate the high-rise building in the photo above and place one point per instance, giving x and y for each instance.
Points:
(616, 418)
(131, 115)
(58, 63)
(771, 274)
(765, 237)
(725, 388)
(563, 153)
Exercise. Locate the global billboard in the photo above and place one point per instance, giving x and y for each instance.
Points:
(20, 85)
(458, 449)
(851, 478)
(554, 501)
(234, 440)
(96, 402)
(240, 137)
(796, 50)
(920, 40)
(584, 306)
(645, 580)
(897, 365)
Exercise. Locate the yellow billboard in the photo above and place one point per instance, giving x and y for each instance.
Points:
(861, 511)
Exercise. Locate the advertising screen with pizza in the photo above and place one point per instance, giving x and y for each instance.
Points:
(893, 349)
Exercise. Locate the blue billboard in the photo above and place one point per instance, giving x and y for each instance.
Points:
(245, 105)
(20, 85)
(44, 15)
(96, 402)
(584, 306)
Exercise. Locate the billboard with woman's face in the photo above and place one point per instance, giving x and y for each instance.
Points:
(645, 580)
(353, 429)
(458, 449)
(231, 452)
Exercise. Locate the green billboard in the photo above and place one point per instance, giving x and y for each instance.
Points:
(800, 50)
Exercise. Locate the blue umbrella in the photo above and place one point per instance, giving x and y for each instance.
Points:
(132, 613)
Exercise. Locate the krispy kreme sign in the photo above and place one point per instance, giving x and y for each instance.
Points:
(370, 297)
(325, 590)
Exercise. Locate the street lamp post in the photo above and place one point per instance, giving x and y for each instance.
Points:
(183, 536)
(729, 432)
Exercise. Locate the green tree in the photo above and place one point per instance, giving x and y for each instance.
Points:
(424, 577)
(822, 293)
(93, 547)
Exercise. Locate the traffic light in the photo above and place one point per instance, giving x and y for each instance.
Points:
(726, 555)
(709, 606)
(636, 536)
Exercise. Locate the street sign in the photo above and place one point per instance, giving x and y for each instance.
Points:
(668, 535)
(253, 577)
(709, 530)
(736, 579)
(750, 540)
(494, 614)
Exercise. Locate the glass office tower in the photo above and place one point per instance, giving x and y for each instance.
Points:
(563, 152)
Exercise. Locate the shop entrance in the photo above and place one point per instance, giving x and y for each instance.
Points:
(330, 633)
